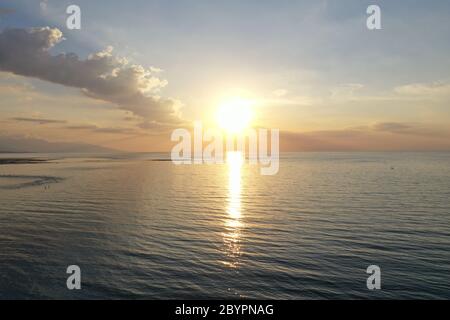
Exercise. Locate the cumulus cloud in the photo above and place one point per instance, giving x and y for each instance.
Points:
(102, 75)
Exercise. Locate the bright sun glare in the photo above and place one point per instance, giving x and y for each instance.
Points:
(235, 115)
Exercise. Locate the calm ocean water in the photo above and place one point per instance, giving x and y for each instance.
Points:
(149, 229)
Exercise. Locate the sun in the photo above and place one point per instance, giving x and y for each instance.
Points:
(234, 115)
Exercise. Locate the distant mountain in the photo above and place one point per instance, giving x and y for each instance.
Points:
(24, 144)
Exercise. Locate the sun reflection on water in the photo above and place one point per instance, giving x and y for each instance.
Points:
(233, 222)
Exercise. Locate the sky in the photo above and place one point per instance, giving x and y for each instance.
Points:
(136, 70)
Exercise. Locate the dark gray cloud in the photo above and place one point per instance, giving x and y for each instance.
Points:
(37, 120)
(101, 76)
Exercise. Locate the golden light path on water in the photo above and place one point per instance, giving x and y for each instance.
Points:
(233, 222)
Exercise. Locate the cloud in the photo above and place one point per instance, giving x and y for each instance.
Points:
(101, 76)
(391, 126)
(346, 91)
(279, 92)
(38, 121)
(424, 89)
(82, 127)
(378, 137)
(94, 128)
(33, 144)
(406, 128)
(44, 5)
(155, 126)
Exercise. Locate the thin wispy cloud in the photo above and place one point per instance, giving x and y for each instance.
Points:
(378, 137)
(437, 89)
(408, 129)
(38, 120)
(98, 129)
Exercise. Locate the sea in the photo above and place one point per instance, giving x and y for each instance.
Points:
(140, 227)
